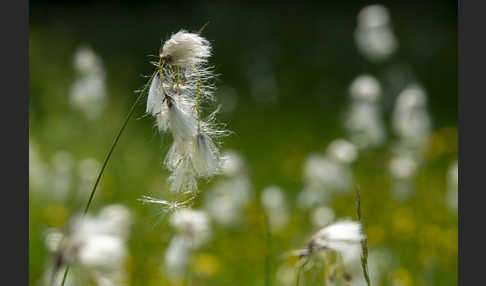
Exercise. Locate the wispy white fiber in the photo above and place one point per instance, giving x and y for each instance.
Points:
(186, 49)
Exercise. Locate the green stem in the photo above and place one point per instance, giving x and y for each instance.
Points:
(299, 272)
(65, 275)
(364, 244)
(112, 148)
(268, 237)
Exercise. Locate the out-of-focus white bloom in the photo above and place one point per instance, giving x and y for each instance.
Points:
(192, 231)
(53, 238)
(365, 88)
(88, 92)
(343, 237)
(380, 262)
(365, 126)
(226, 199)
(342, 151)
(374, 36)
(193, 225)
(273, 201)
(39, 172)
(186, 49)
(373, 16)
(286, 275)
(232, 163)
(452, 185)
(97, 244)
(89, 169)
(86, 61)
(62, 177)
(311, 196)
(411, 120)
(115, 219)
(177, 256)
(102, 250)
(320, 171)
(322, 216)
(363, 119)
(403, 166)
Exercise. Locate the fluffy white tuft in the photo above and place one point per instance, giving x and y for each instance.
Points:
(344, 237)
(186, 49)
(205, 157)
(181, 123)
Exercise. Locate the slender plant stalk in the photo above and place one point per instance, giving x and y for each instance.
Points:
(108, 156)
(299, 272)
(364, 244)
(268, 238)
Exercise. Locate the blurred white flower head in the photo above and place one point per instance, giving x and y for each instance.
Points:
(373, 35)
(193, 225)
(363, 120)
(342, 238)
(96, 244)
(273, 200)
(226, 199)
(342, 151)
(452, 186)
(39, 172)
(322, 216)
(403, 166)
(177, 256)
(88, 92)
(321, 171)
(365, 88)
(62, 177)
(411, 120)
(232, 163)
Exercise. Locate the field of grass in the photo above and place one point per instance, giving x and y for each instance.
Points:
(284, 92)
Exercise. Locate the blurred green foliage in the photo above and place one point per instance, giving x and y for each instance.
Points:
(311, 53)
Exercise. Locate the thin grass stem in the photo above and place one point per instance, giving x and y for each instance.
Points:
(268, 238)
(108, 156)
(364, 243)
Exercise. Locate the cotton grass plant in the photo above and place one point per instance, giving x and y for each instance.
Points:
(177, 90)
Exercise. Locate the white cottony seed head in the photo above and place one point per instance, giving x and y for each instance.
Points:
(186, 49)
(205, 158)
(343, 237)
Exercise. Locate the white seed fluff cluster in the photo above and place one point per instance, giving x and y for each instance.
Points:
(88, 92)
(273, 200)
(374, 35)
(329, 174)
(226, 199)
(363, 121)
(192, 231)
(180, 87)
(95, 247)
(412, 125)
(342, 238)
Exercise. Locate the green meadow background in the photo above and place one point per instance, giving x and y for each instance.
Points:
(310, 53)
